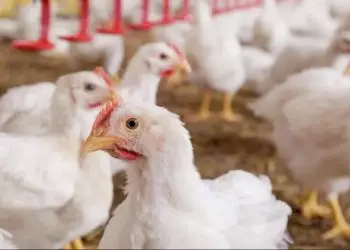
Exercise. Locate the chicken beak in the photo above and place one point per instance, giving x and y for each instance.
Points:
(110, 96)
(95, 143)
(184, 65)
(181, 70)
(347, 70)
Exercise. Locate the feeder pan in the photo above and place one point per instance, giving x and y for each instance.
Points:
(116, 29)
(111, 31)
(78, 38)
(182, 17)
(141, 26)
(33, 45)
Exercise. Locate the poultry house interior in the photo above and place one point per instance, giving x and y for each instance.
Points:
(299, 35)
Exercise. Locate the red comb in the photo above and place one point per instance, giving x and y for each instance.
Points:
(175, 48)
(100, 72)
(105, 113)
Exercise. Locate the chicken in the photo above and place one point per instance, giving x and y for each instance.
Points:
(151, 62)
(309, 115)
(270, 32)
(339, 9)
(312, 18)
(168, 206)
(31, 104)
(257, 64)
(305, 53)
(218, 57)
(54, 192)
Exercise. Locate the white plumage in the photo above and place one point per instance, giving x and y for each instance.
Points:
(57, 199)
(6, 241)
(145, 70)
(27, 109)
(218, 56)
(310, 113)
(168, 205)
(218, 61)
(305, 53)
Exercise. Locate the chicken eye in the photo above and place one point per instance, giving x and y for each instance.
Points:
(163, 56)
(132, 123)
(89, 87)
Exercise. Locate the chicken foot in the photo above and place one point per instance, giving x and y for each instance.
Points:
(203, 113)
(312, 208)
(75, 244)
(341, 225)
(227, 113)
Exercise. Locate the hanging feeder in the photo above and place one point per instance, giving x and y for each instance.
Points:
(83, 34)
(43, 43)
(117, 25)
(145, 23)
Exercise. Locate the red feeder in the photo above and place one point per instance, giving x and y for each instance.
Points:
(83, 35)
(117, 21)
(43, 42)
(230, 5)
(166, 14)
(226, 8)
(215, 7)
(184, 14)
(145, 24)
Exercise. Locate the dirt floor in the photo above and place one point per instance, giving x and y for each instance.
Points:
(219, 146)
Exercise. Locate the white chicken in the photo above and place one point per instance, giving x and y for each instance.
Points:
(27, 109)
(218, 57)
(309, 114)
(168, 205)
(339, 9)
(304, 53)
(312, 18)
(270, 36)
(54, 192)
(150, 63)
(270, 31)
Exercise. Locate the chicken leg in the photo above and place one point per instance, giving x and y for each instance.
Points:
(227, 113)
(341, 225)
(312, 208)
(76, 244)
(203, 113)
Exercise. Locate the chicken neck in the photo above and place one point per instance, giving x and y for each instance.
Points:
(139, 80)
(168, 177)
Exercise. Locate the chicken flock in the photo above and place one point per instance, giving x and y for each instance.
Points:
(76, 133)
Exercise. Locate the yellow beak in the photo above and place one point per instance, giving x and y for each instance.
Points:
(111, 96)
(347, 70)
(184, 65)
(95, 143)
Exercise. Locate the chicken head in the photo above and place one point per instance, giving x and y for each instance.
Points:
(165, 59)
(89, 90)
(132, 131)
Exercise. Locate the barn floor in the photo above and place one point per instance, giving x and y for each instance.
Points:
(219, 146)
